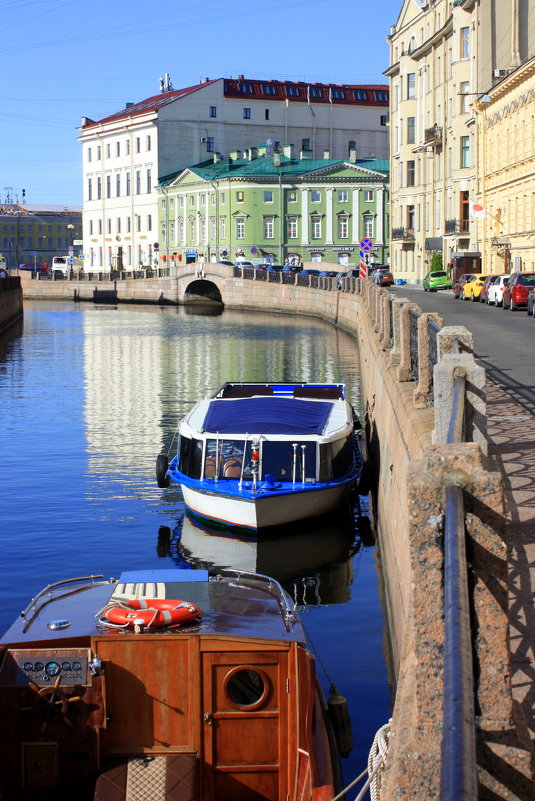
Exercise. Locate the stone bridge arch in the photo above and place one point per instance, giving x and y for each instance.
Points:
(204, 283)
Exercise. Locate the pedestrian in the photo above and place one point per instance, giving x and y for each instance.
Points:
(3, 273)
(377, 277)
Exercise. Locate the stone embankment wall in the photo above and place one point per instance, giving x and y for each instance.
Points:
(412, 465)
(10, 301)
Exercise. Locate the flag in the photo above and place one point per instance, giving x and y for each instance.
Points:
(476, 210)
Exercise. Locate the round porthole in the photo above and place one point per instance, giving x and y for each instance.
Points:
(247, 686)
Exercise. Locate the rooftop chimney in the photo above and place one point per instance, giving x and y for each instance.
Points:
(305, 154)
(276, 159)
(217, 157)
(288, 151)
(353, 155)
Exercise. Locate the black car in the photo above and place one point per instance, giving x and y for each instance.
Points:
(530, 308)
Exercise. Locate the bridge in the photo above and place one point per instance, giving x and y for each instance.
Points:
(459, 729)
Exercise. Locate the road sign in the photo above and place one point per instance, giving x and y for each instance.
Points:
(156, 246)
(366, 245)
(71, 260)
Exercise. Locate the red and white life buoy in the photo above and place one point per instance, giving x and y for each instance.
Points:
(150, 613)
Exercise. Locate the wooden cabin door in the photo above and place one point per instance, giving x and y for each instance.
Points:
(245, 726)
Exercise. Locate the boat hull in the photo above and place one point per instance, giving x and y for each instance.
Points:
(265, 511)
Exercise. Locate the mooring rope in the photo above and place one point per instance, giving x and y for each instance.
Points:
(376, 761)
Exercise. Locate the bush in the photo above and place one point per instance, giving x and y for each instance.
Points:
(436, 262)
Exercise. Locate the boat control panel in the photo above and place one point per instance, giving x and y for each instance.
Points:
(44, 667)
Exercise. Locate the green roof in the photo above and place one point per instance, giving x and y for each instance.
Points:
(263, 166)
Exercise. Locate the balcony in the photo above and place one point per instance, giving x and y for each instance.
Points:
(457, 227)
(433, 136)
(403, 234)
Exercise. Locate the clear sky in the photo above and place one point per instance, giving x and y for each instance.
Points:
(67, 59)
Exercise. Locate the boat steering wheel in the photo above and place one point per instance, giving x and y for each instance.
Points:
(51, 703)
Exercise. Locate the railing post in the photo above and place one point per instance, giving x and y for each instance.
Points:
(475, 421)
(421, 394)
(405, 367)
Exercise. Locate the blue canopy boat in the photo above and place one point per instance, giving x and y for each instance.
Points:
(263, 455)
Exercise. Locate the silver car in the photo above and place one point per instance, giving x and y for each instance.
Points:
(495, 293)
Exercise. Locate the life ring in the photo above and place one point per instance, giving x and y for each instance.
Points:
(150, 613)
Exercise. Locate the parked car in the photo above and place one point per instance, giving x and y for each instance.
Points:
(230, 263)
(438, 279)
(386, 279)
(473, 287)
(530, 308)
(328, 273)
(309, 272)
(459, 283)
(274, 268)
(495, 291)
(515, 294)
(489, 280)
(243, 264)
(291, 268)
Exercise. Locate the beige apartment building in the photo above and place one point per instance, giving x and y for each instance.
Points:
(448, 63)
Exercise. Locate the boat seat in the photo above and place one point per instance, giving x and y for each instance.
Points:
(246, 392)
(324, 393)
(232, 468)
(209, 466)
(159, 778)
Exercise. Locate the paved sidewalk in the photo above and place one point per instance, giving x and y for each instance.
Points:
(511, 431)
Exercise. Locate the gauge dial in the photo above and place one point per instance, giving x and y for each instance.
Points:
(52, 669)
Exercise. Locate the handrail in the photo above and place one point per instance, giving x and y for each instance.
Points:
(458, 765)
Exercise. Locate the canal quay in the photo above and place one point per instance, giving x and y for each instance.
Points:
(452, 505)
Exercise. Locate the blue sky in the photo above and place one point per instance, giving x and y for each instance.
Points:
(66, 59)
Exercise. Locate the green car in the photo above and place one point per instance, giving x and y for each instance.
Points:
(436, 280)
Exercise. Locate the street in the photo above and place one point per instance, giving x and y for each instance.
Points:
(503, 340)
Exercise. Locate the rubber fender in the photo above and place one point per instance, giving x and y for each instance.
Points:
(339, 715)
(162, 463)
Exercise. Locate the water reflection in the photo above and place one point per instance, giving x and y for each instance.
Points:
(313, 562)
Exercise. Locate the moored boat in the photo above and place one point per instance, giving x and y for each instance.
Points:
(263, 455)
(163, 684)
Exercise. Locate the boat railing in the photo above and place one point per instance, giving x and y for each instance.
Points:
(269, 585)
(71, 585)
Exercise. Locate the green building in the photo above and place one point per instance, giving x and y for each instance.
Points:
(265, 205)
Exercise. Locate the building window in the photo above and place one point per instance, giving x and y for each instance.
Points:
(212, 199)
(359, 94)
(381, 97)
(209, 144)
(148, 143)
(213, 111)
(180, 231)
(127, 147)
(464, 87)
(149, 222)
(292, 196)
(223, 227)
(268, 196)
(305, 144)
(138, 222)
(465, 151)
(98, 153)
(368, 195)
(246, 113)
(128, 188)
(266, 114)
(138, 182)
(138, 144)
(315, 196)
(118, 225)
(343, 227)
(117, 149)
(100, 226)
(368, 227)
(291, 91)
(118, 185)
(202, 227)
(213, 228)
(268, 89)
(410, 173)
(246, 89)
(410, 219)
(128, 225)
(108, 186)
(383, 119)
(316, 227)
(149, 181)
(240, 228)
(342, 195)
(202, 200)
(411, 130)
(89, 154)
(108, 151)
(239, 197)
(315, 91)
(464, 43)
(222, 198)
(337, 93)
(292, 227)
(269, 227)
(90, 189)
(108, 225)
(411, 85)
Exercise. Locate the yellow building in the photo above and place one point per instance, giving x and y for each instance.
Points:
(506, 170)
(446, 58)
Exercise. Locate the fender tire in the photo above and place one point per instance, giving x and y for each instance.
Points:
(162, 463)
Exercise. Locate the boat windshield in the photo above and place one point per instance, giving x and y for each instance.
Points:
(282, 460)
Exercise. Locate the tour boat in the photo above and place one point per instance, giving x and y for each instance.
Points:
(263, 455)
(168, 685)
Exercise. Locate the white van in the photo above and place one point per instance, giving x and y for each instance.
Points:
(60, 264)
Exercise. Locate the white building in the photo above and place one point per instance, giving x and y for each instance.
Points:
(126, 153)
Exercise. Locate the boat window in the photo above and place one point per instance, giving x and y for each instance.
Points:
(279, 461)
(246, 687)
(228, 455)
(190, 456)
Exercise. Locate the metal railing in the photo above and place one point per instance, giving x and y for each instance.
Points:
(459, 780)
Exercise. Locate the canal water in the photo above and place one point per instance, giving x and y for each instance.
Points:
(90, 395)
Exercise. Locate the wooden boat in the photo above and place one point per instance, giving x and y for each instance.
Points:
(263, 455)
(104, 699)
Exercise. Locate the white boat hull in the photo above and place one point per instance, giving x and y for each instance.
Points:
(266, 510)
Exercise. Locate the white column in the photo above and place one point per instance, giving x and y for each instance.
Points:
(304, 217)
(355, 218)
(329, 218)
(379, 200)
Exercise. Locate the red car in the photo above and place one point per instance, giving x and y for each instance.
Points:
(489, 280)
(515, 294)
